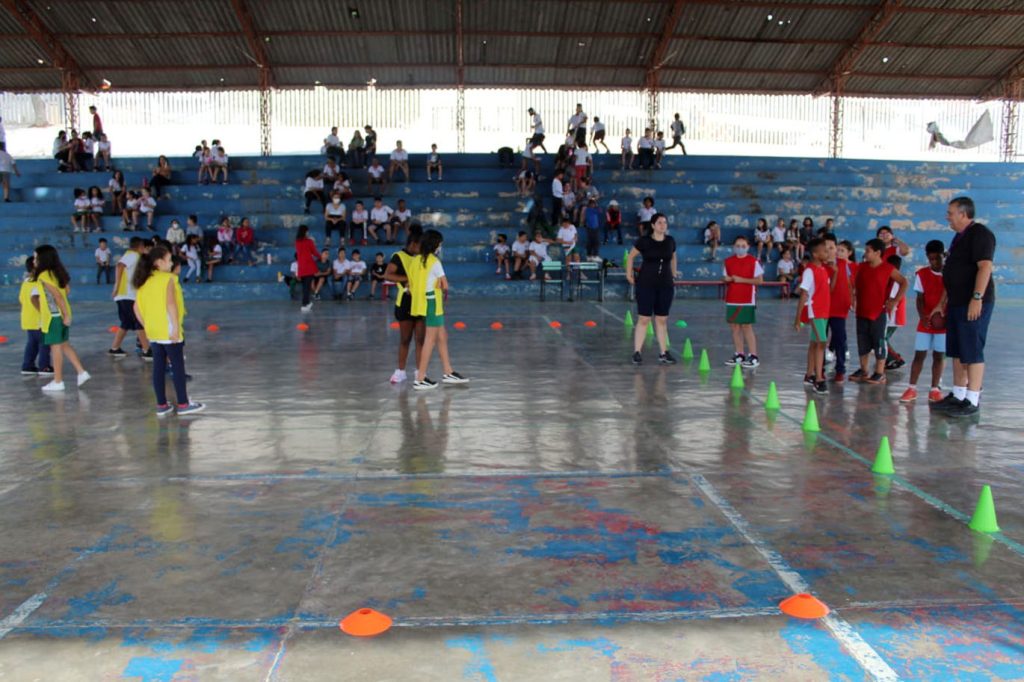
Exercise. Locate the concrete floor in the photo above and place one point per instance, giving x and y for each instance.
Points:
(566, 516)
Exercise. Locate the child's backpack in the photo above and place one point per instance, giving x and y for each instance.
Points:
(506, 157)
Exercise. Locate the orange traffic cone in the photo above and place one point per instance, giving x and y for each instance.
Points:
(365, 623)
(804, 606)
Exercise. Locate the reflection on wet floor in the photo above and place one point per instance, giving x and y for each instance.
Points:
(565, 511)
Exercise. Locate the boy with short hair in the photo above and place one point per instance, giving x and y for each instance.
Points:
(377, 271)
(356, 270)
(340, 267)
(521, 256)
(501, 251)
(103, 266)
(742, 273)
(539, 253)
(895, 320)
(930, 338)
(124, 298)
(873, 301)
(815, 300)
(841, 275)
(786, 270)
(434, 164)
(567, 238)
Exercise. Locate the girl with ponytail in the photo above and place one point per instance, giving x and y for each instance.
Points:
(160, 307)
(55, 315)
(428, 286)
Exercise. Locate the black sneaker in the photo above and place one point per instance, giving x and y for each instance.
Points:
(30, 372)
(859, 375)
(945, 403)
(965, 409)
(147, 356)
(666, 358)
(820, 387)
(895, 363)
(637, 358)
(116, 352)
(46, 371)
(737, 359)
(424, 385)
(808, 379)
(454, 378)
(875, 378)
(751, 362)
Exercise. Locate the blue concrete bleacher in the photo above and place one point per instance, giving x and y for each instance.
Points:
(477, 200)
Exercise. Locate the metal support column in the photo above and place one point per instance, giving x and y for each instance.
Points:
(651, 95)
(460, 119)
(835, 143)
(69, 89)
(1012, 92)
(265, 111)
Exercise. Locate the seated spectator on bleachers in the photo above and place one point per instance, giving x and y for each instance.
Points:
(82, 211)
(292, 278)
(538, 253)
(176, 237)
(613, 221)
(130, 213)
(525, 179)
(245, 237)
(96, 202)
(659, 148)
(369, 142)
(712, 239)
(356, 272)
(87, 152)
(355, 151)
(330, 171)
(75, 154)
(332, 145)
(627, 150)
(192, 253)
(644, 216)
(568, 239)
(219, 166)
(380, 217)
(793, 240)
(763, 239)
(377, 271)
(214, 258)
(779, 237)
(400, 220)
(204, 173)
(226, 238)
(117, 191)
(786, 270)
(645, 150)
(501, 256)
(339, 277)
(343, 185)
(7, 166)
(375, 175)
(434, 164)
(161, 175)
(147, 208)
(358, 224)
(399, 161)
(323, 273)
(314, 189)
(521, 256)
(61, 148)
(335, 218)
(192, 227)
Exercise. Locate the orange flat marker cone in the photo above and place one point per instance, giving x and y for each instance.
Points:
(113, 329)
(555, 324)
(365, 623)
(302, 327)
(395, 325)
(213, 328)
(590, 323)
(804, 606)
(3, 339)
(459, 325)
(496, 326)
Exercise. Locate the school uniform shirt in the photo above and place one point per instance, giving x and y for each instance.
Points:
(114, 186)
(567, 237)
(175, 234)
(360, 217)
(307, 256)
(82, 205)
(220, 160)
(839, 304)
(659, 144)
(762, 236)
(330, 172)
(677, 128)
(147, 204)
(399, 155)
(335, 210)
(314, 184)
(341, 267)
(380, 215)
(125, 290)
(747, 267)
(102, 256)
(294, 268)
(645, 143)
(343, 186)
(332, 141)
(87, 146)
(786, 267)
(538, 125)
(928, 283)
(582, 156)
(645, 214)
(97, 205)
(103, 146)
(501, 249)
(376, 172)
(403, 215)
(132, 204)
(815, 282)
(357, 268)
(152, 303)
(598, 127)
(576, 120)
(556, 189)
(192, 253)
(627, 144)
(30, 315)
(216, 254)
(539, 251)
(778, 234)
(433, 158)
(520, 249)
(872, 286)
(898, 316)
(6, 162)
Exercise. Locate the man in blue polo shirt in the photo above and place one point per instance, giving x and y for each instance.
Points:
(971, 297)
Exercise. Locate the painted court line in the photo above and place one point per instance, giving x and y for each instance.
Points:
(906, 485)
(843, 632)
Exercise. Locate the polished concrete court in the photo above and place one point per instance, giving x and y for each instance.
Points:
(565, 516)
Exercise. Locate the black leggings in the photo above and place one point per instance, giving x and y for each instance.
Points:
(318, 195)
(176, 353)
(156, 183)
(307, 289)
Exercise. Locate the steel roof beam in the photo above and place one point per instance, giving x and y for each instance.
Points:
(847, 59)
(1001, 86)
(22, 13)
(661, 47)
(259, 55)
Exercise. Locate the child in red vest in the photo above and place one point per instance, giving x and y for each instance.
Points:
(873, 301)
(896, 319)
(815, 298)
(840, 271)
(930, 339)
(742, 274)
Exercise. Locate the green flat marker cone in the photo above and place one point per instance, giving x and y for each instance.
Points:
(811, 418)
(629, 318)
(984, 519)
(772, 401)
(681, 324)
(737, 378)
(705, 365)
(687, 350)
(883, 459)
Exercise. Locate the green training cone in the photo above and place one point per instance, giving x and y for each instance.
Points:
(883, 458)
(705, 364)
(811, 418)
(687, 350)
(629, 318)
(984, 519)
(772, 401)
(737, 378)
(650, 328)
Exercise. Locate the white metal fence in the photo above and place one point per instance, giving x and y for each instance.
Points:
(151, 123)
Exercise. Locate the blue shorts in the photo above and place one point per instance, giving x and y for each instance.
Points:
(654, 301)
(965, 340)
(929, 343)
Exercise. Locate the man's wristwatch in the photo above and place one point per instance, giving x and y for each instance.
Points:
(977, 296)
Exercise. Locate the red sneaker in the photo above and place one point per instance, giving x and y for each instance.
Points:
(838, 378)
(935, 395)
(910, 395)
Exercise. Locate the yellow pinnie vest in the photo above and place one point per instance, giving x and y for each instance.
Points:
(151, 298)
(31, 318)
(44, 309)
(406, 259)
(417, 271)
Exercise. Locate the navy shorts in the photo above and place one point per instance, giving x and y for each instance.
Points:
(654, 301)
(126, 314)
(965, 340)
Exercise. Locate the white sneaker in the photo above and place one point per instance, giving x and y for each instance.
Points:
(83, 377)
(306, 308)
(454, 378)
(399, 376)
(424, 384)
(830, 357)
(54, 387)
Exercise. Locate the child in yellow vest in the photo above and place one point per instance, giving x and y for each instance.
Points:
(55, 315)
(427, 286)
(160, 307)
(29, 298)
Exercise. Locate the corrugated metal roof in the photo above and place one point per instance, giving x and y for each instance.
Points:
(723, 44)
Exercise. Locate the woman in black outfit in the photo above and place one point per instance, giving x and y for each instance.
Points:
(655, 286)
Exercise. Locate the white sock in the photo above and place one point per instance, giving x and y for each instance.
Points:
(973, 396)
(913, 386)
(960, 392)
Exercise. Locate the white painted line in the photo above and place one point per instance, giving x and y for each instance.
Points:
(843, 632)
(24, 610)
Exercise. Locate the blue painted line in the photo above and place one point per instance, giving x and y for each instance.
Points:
(928, 498)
